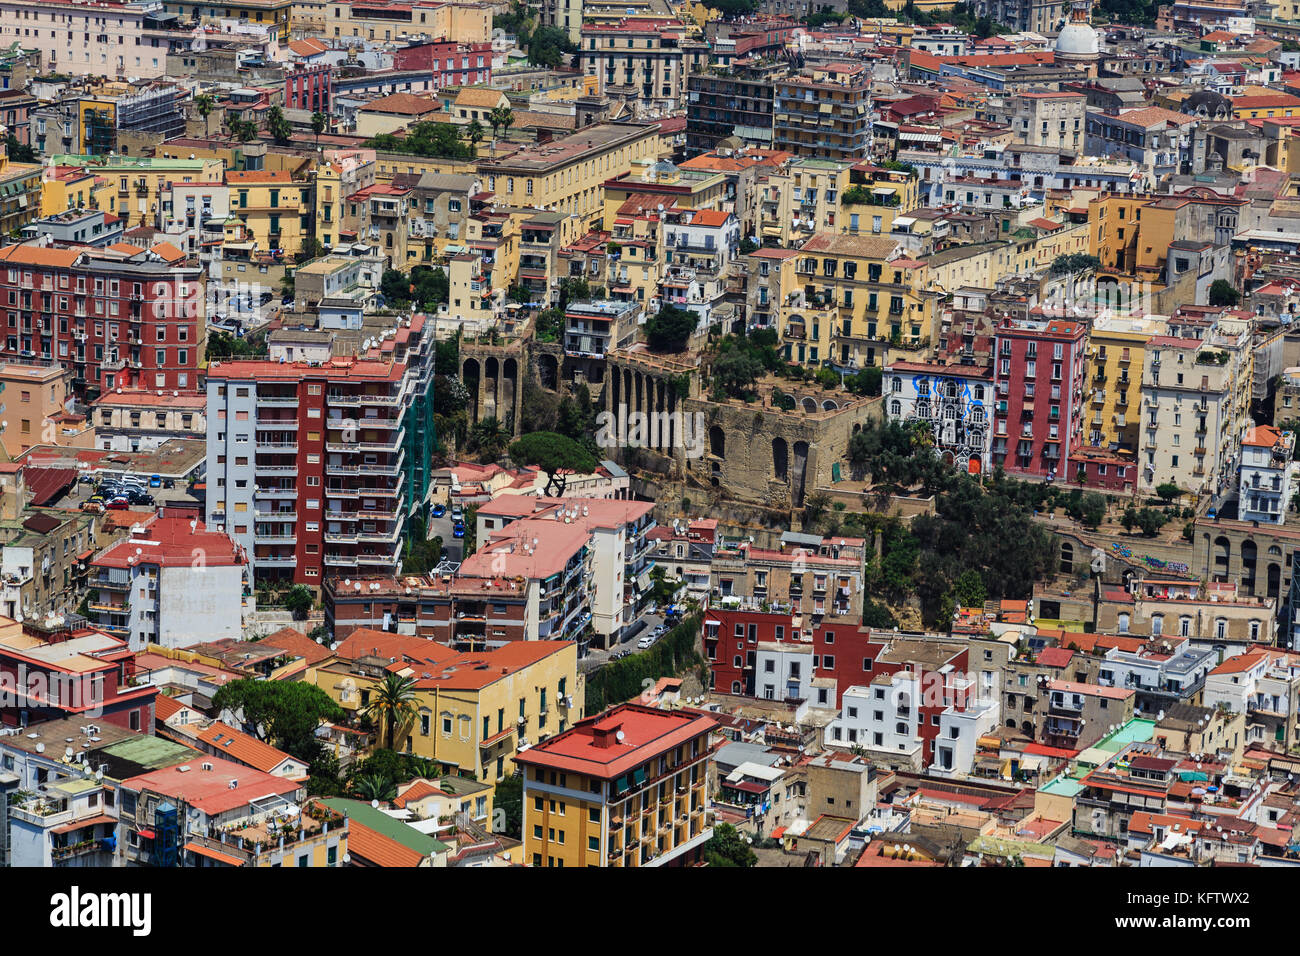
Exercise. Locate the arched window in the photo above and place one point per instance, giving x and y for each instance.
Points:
(895, 407)
(1123, 623)
(898, 384)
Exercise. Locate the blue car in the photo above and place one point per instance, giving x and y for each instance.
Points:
(458, 530)
(439, 510)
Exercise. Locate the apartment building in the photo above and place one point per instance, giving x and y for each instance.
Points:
(180, 812)
(35, 396)
(726, 102)
(99, 38)
(626, 788)
(1263, 684)
(314, 467)
(89, 227)
(586, 560)
(140, 181)
(824, 113)
(388, 22)
(1038, 419)
(1116, 348)
(1189, 432)
(1159, 139)
(380, 214)
(1052, 119)
(20, 193)
(954, 401)
(1135, 234)
(340, 174)
(70, 823)
(439, 205)
(916, 710)
(79, 672)
(114, 318)
(466, 613)
(139, 420)
(814, 579)
(637, 59)
(171, 582)
(865, 298)
(275, 209)
(43, 560)
(1267, 474)
(477, 712)
(565, 175)
(1075, 716)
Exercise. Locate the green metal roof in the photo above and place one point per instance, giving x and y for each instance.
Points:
(385, 825)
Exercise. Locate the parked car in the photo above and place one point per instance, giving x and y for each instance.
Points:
(645, 642)
(457, 513)
(139, 498)
(439, 510)
(458, 530)
(155, 481)
(120, 503)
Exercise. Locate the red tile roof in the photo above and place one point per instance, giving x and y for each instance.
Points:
(243, 748)
(594, 747)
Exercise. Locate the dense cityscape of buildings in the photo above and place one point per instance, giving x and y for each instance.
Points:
(441, 434)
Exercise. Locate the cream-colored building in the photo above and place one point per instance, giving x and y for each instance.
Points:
(1192, 413)
(136, 183)
(565, 175)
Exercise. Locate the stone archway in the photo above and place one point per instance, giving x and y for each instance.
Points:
(780, 459)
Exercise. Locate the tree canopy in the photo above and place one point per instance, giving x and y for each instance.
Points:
(727, 848)
(556, 455)
(670, 329)
(426, 288)
(1222, 292)
(285, 713)
(429, 139)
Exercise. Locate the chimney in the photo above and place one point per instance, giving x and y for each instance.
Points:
(605, 734)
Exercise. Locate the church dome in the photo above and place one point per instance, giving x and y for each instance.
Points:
(1077, 39)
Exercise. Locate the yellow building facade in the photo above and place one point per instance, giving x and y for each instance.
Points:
(468, 718)
(275, 209)
(1116, 346)
(135, 183)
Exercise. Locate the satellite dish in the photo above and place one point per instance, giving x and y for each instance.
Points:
(374, 804)
(620, 735)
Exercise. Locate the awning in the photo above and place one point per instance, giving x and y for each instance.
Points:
(639, 775)
(146, 833)
(79, 824)
(643, 580)
(213, 854)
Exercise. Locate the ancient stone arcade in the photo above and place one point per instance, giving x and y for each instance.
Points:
(491, 374)
(765, 455)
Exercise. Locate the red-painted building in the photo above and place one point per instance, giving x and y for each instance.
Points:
(48, 675)
(843, 655)
(119, 316)
(1038, 372)
(451, 63)
(309, 87)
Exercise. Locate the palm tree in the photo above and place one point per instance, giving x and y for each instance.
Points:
(374, 786)
(204, 104)
(474, 133)
(502, 118)
(318, 123)
(392, 703)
